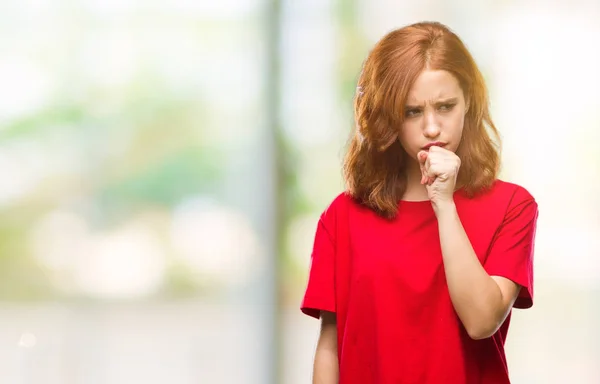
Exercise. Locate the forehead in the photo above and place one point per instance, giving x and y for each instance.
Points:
(433, 85)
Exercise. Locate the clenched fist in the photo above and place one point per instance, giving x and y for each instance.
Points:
(439, 170)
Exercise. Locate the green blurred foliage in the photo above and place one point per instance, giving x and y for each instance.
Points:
(140, 153)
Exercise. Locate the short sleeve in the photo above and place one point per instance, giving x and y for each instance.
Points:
(320, 292)
(512, 249)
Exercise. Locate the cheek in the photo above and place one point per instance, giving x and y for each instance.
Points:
(455, 125)
(409, 137)
(454, 130)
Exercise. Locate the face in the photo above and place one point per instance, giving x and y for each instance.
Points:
(434, 113)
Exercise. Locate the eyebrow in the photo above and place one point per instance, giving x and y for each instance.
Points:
(450, 100)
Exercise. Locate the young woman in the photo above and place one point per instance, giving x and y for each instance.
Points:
(417, 265)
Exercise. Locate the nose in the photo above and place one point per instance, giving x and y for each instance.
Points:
(432, 127)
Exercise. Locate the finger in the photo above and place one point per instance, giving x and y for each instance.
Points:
(427, 167)
(422, 157)
(425, 171)
(431, 172)
(435, 148)
(430, 176)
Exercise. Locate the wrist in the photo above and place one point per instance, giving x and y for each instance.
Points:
(444, 208)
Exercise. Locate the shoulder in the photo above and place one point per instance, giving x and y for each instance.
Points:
(504, 194)
(512, 190)
(343, 201)
(515, 198)
(505, 206)
(521, 204)
(501, 200)
(340, 208)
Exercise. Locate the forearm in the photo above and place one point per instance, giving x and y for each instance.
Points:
(326, 366)
(326, 370)
(476, 297)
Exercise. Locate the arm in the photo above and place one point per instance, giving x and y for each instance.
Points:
(326, 369)
(481, 301)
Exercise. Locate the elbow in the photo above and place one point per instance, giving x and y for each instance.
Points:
(485, 323)
(482, 329)
(480, 333)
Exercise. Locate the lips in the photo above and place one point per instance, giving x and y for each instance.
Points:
(436, 144)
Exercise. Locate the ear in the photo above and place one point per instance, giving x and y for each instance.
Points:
(467, 105)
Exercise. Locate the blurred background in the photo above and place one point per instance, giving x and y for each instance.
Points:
(164, 164)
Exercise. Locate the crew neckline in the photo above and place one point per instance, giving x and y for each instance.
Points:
(418, 202)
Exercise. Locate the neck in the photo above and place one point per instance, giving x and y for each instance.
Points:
(415, 191)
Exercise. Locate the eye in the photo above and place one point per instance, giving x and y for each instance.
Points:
(446, 107)
(412, 112)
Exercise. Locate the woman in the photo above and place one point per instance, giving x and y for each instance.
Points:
(416, 267)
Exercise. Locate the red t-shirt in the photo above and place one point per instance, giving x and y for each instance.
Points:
(385, 281)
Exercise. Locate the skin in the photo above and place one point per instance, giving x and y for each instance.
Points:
(326, 365)
(435, 112)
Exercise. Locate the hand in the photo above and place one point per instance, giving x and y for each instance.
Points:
(439, 169)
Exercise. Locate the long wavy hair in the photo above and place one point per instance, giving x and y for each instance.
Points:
(375, 163)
